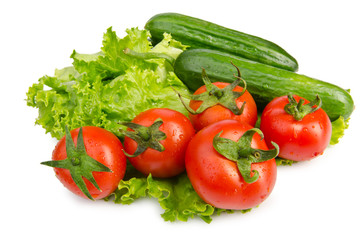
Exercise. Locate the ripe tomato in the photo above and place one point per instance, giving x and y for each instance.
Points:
(217, 180)
(104, 147)
(176, 131)
(217, 113)
(298, 140)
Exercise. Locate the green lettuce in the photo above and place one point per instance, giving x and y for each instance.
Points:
(109, 87)
(175, 195)
(338, 127)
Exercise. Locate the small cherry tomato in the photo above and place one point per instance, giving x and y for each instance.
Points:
(156, 142)
(301, 128)
(229, 165)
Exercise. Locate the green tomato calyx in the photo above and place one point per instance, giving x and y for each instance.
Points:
(243, 154)
(145, 137)
(299, 110)
(79, 163)
(213, 95)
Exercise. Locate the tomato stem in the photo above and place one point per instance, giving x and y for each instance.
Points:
(299, 110)
(243, 154)
(213, 95)
(145, 137)
(75, 161)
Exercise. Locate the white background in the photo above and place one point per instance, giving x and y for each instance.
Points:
(316, 199)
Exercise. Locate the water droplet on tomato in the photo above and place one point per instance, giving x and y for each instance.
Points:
(317, 154)
(295, 134)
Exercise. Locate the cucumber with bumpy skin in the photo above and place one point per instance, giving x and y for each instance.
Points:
(264, 82)
(198, 33)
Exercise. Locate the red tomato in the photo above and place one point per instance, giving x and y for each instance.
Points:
(218, 112)
(298, 140)
(102, 146)
(217, 179)
(170, 161)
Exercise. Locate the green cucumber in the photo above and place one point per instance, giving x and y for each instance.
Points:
(264, 82)
(198, 33)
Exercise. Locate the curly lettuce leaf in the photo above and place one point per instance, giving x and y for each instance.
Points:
(338, 127)
(108, 87)
(284, 162)
(176, 196)
(169, 46)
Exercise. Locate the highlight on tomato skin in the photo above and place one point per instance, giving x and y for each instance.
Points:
(104, 147)
(217, 180)
(299, 140)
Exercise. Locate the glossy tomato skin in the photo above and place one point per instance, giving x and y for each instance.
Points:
(104, 147)
(298, 140)
(217, 179)
(171, 161)
(218, 112)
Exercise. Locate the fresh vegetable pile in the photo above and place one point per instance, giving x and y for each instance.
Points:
(191, 113)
